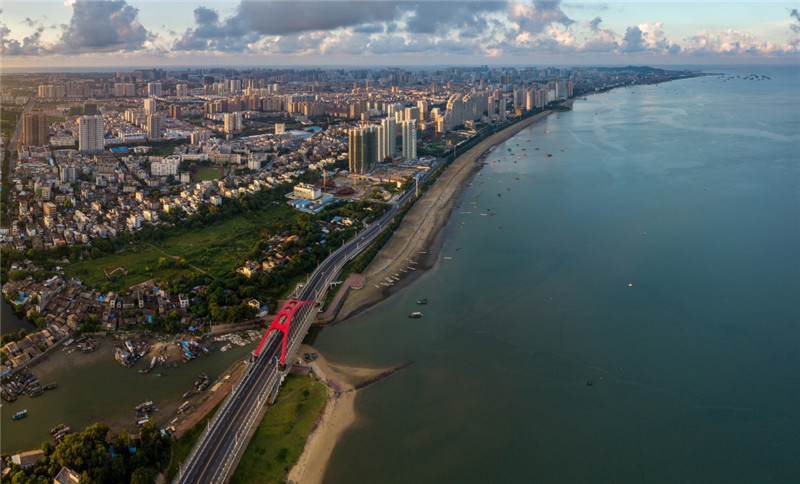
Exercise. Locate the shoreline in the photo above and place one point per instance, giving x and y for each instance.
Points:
(337, 416)
(419, 239)
(420, 234)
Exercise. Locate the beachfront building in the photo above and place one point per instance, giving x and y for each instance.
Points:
(410, 139)
(363, 149)
(387, 138)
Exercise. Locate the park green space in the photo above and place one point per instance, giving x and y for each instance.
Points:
(281, 435)
(214, 249)
(8, 120)
(203, 174)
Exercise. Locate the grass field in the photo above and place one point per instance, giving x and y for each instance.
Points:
(280, 437)
(203, 174)
(215, 249)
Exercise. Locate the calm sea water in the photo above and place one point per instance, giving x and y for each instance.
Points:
(689, 334)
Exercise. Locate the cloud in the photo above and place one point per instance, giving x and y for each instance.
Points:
(729, 42)
(436, 16)
(103, 26)
(647, 37)
(633, 40)
(538, 16)
(594, 24)
(795, 26)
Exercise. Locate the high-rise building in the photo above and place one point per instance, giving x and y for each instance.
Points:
(154, 89)
(232, 122)
(34, 129)
(90, 134)
(123, 89)
(174, 111)
(410, 139)
(423, 110)
(363, 149)
(150, 106)
(387, 138)
(181, 90)
(155, 126)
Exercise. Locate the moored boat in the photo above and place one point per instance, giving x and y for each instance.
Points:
(415, 315)
(21, 414)
(424, 300)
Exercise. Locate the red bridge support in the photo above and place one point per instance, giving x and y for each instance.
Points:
(282, 322)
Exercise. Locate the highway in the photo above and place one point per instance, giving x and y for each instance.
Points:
(215, 452)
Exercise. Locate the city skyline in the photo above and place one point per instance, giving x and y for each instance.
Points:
(82, 34)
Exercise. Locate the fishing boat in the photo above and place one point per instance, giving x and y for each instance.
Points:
(415, 315)
(21, 414)
(424, 300)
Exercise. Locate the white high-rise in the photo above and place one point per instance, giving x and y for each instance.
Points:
(90, 134)
(387, 138)
(410, 139)
(154, 89)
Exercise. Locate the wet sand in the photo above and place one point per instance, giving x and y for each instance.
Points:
(336, 417)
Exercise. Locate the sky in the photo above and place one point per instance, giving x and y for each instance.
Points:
(96, 33)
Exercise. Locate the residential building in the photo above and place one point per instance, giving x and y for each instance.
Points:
(34, 129)
(410, 139)
(155, 126)
(363, 149)
(90, 134)
(154, 89)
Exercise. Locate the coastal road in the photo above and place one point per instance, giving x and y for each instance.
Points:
(215, 452)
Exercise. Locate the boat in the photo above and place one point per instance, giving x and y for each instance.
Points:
(58, 428)
(415, 315)
(424, 300)
(21, 414)
(225, 348)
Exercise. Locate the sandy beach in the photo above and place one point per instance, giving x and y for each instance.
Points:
(415, 244)
(417, 241)
(337, 416)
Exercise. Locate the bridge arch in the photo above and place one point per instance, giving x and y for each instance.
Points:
(282, 322)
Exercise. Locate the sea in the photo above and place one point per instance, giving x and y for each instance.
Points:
(616, 300)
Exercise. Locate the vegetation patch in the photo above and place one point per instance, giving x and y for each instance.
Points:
(203, 174)
(280, 437)
(214, 249)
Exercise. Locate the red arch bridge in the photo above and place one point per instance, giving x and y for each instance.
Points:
(282, 322)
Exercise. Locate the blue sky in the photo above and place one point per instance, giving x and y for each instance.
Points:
(85, 33)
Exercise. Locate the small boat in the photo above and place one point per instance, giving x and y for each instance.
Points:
(415, 315)
(21, 414)
(424, 300)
